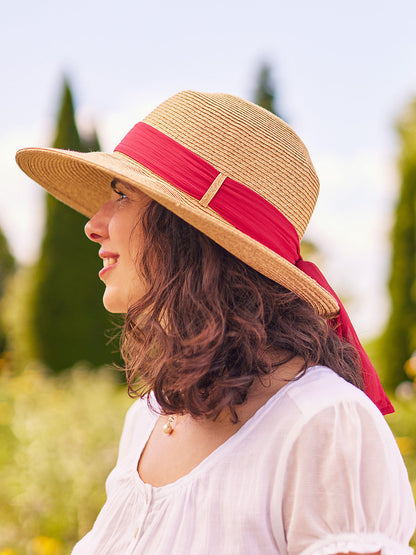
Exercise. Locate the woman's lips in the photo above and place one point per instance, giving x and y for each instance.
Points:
(109, 261)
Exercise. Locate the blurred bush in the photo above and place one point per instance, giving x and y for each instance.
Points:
(7, 269)
(58, 441)
(403, 425)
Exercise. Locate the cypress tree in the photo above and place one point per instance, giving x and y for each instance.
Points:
(265, 94)
(7, 268)
(399, 339)
(7, 262)
(68, 318)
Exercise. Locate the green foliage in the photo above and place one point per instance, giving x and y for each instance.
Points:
(7, 268)
(7, 262)
(58, 442)
(403, 425)
(16, 316)
(399, 339)
(68, 319)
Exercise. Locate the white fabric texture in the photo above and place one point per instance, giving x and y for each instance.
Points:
(316, 471)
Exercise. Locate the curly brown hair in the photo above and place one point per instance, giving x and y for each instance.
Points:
(208, 323)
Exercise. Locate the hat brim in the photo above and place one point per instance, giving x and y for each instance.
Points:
(82, 181)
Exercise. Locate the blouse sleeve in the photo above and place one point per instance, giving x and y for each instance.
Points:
(346, 487)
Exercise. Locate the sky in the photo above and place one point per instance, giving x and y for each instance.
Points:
(344, 73)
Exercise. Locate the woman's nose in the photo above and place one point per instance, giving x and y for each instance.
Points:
(96, 229)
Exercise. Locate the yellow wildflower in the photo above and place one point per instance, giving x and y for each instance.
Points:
(42, 545)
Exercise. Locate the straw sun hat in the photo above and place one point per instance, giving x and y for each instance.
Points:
(231, 169)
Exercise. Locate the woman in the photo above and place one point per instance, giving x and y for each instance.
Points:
(253, 434)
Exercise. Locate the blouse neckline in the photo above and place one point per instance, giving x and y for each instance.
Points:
(220, 451)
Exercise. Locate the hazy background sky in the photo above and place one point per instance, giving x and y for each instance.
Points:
(344, 71)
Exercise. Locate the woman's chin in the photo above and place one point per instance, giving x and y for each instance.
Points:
(113, 304)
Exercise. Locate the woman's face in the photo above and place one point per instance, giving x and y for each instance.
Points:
(115, 227)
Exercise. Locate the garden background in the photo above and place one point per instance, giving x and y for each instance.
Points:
(79, 75)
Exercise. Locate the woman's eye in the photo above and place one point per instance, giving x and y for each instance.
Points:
(119, 193)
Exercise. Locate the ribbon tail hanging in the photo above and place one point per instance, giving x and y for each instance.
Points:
(345, 330)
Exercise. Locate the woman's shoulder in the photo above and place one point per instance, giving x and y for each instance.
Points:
(342, 461)
(315, 403)
(320, 387)
(334, 422)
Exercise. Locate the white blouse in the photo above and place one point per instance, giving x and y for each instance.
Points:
(316, 471)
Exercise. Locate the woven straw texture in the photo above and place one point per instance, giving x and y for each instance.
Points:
(241, 140)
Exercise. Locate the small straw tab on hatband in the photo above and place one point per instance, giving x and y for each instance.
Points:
(212, 190)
